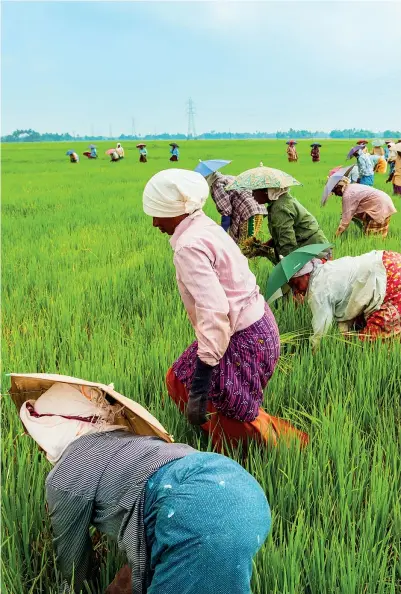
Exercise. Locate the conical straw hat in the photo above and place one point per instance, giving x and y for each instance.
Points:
(29, 386)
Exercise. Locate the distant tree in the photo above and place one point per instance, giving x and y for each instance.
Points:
(30, 135)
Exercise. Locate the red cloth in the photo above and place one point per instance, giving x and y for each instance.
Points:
(264, 429)
(386, 322)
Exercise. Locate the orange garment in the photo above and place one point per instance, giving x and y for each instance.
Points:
(292, 153)
(264, 429)
(386, 322)
(381, 166)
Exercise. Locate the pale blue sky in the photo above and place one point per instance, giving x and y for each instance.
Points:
(247, 65)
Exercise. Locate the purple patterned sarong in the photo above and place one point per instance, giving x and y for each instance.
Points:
(242, 374)
(396, 189)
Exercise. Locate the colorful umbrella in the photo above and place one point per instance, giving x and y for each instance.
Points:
(110, 151)
(362, 142)
(290, 265)
(354, 151)
(334, 170)
(377, 142)
(262, 177)
(316, 144)
(70, 152)
(333, 181)
(291, 142)
(174, 144)
(206, 168)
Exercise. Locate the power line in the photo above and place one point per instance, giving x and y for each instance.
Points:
(191, 119)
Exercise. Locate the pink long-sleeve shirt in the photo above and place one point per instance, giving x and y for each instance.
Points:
(359, 199)
(217, 288)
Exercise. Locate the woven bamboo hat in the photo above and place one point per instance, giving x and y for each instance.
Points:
(29, 386)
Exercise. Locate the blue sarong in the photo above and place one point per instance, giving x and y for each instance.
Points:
(366, 180)
(205, 519)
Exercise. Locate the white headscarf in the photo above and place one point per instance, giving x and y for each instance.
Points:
(55, 433)
(174, 192)
(308, 268)
(275, 193)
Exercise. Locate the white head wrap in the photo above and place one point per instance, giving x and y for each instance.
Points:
(174, 192)
(55, 433)
(275, 193)
(308, 268)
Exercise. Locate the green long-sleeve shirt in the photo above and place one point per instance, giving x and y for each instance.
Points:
(292, 226)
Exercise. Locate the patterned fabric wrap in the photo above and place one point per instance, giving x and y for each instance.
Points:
(242, 374)
(371, 227)
(238, 204)
(397, 189)
(386, 322)
(205, 518)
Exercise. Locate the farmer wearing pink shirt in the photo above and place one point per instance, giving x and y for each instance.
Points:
(226, 369)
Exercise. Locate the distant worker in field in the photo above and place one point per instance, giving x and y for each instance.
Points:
(377, 148)
(114, 156)
(395, 171)
(292, 151)
(174, 151)
(371, 208)
(185, 520)
(73, 156)
(365, 166)
(92, 153)
(219, 380)
(291, 226)
(143, 152)
(241, 215)
(360, 293)
(315, 152)
(387, 148)
(120, 150)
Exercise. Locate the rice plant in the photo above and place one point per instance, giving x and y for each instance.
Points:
(89, 290)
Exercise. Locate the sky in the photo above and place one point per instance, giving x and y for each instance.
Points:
(86, 67)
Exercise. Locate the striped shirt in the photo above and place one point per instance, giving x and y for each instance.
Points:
(100, 481)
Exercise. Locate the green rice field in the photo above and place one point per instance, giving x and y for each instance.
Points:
(89, 290)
